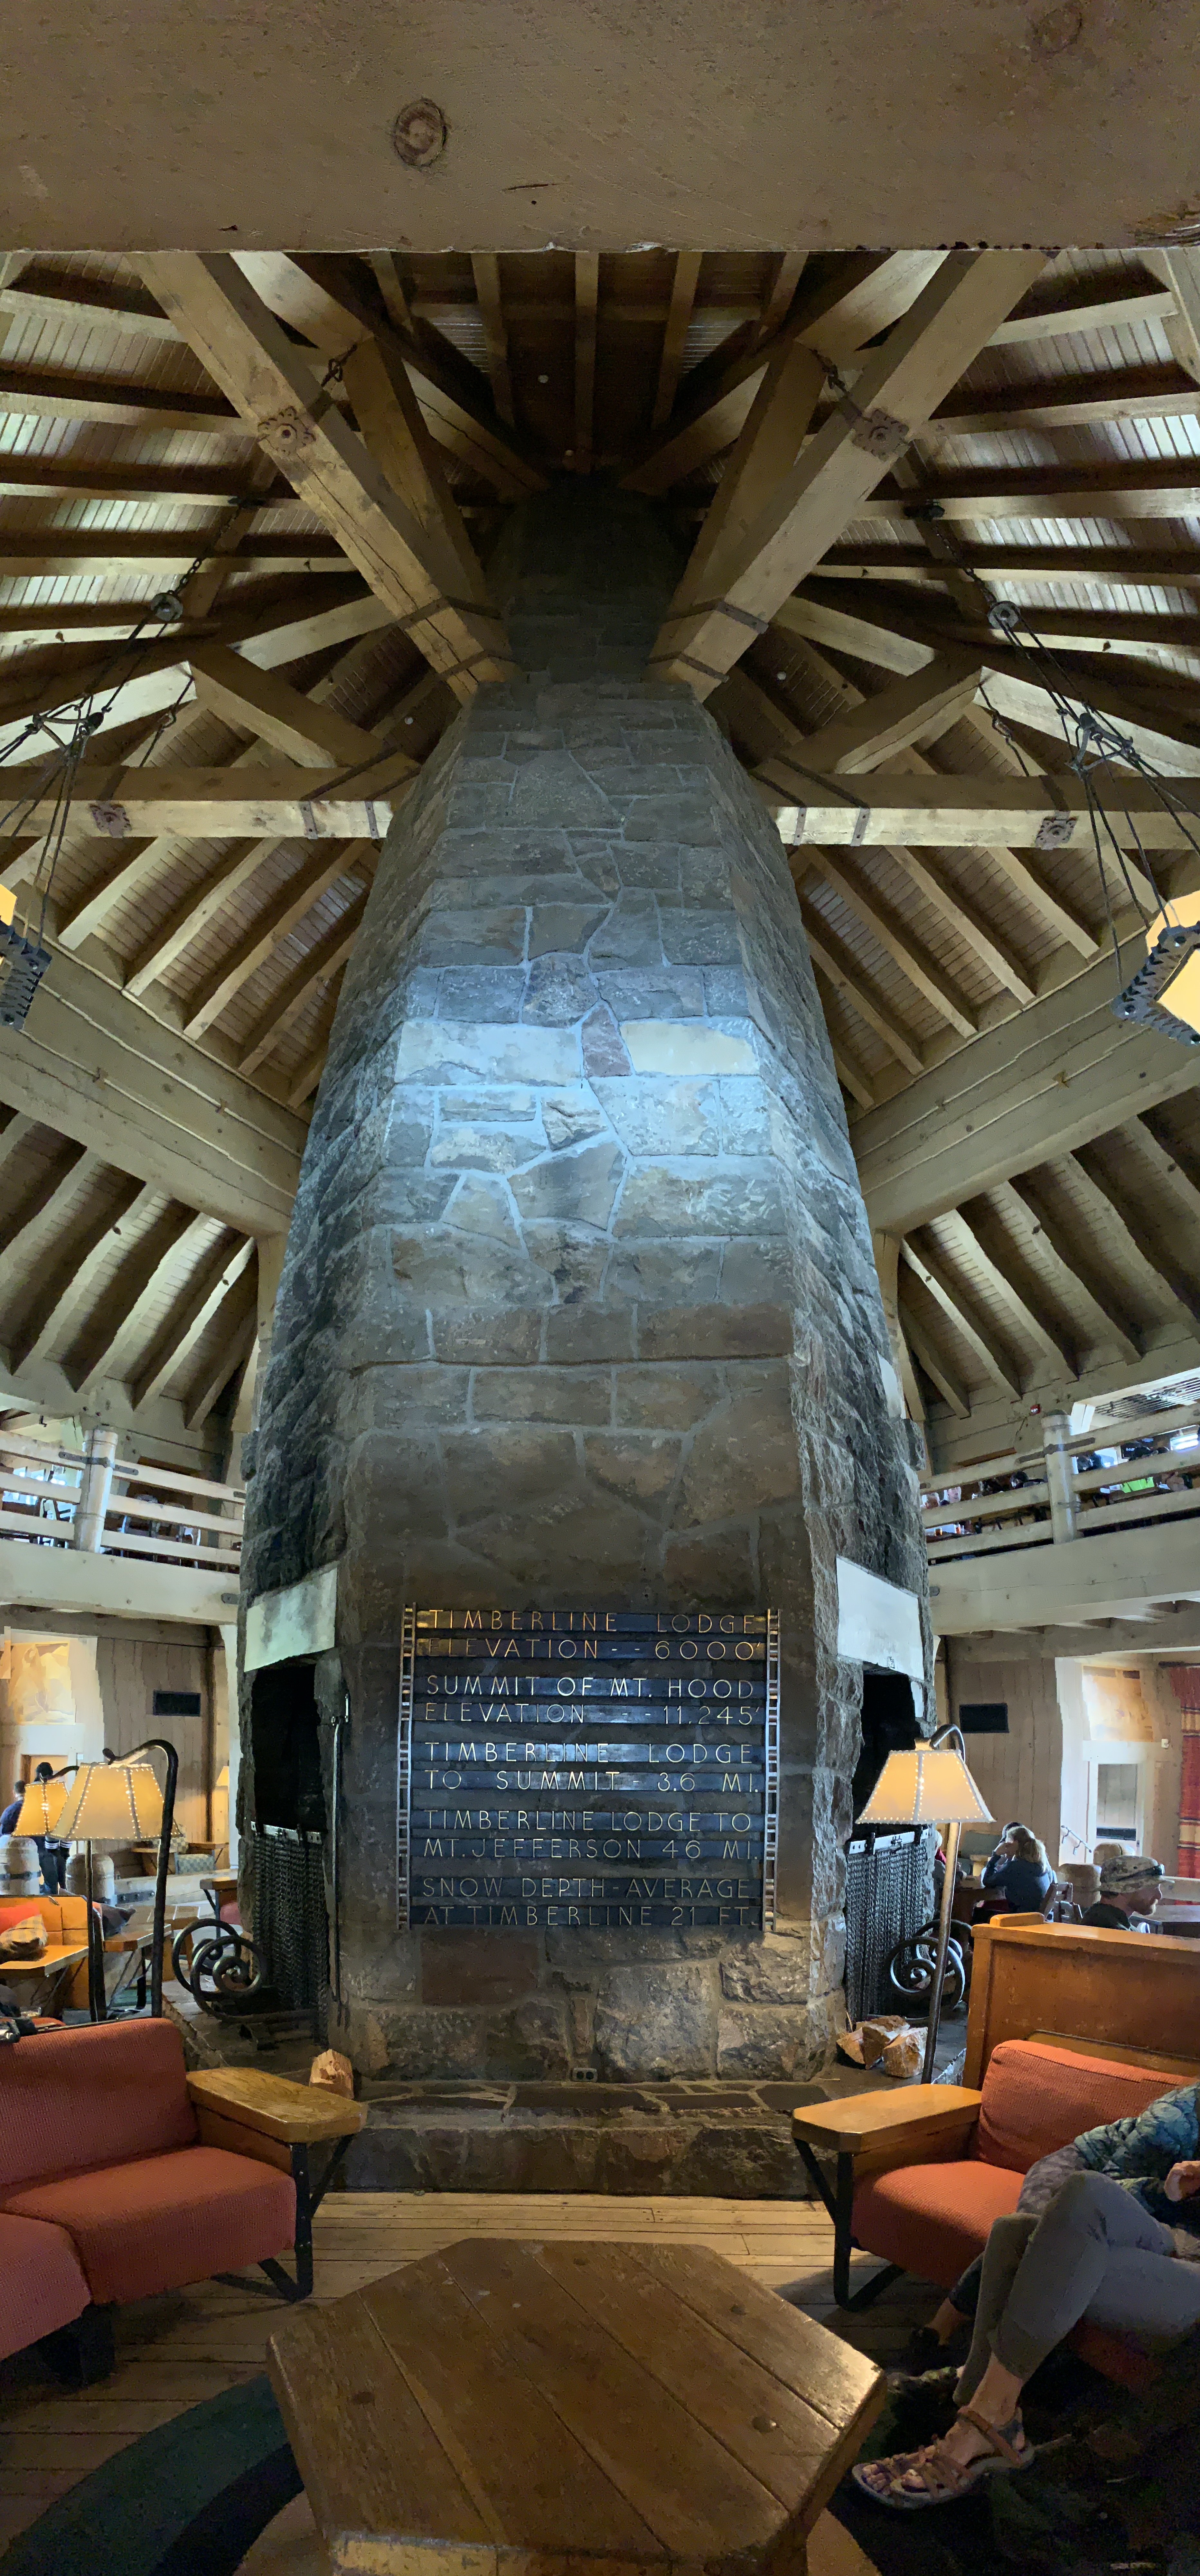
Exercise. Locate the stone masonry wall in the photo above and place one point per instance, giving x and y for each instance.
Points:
(579, 1304)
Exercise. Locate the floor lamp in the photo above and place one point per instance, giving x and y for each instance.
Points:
(122, 1802)
(931, 1785)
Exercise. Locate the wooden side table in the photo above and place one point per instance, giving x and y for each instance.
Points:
(277, 2123)
(39, 1982)
(552, 2406)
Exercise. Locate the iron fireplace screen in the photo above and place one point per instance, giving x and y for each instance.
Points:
(588, 1769)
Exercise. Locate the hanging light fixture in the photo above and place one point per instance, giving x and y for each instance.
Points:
(1165, 992)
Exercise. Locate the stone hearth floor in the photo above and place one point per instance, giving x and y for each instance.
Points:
(696, 2137)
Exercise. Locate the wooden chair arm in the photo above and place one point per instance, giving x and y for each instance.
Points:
(269, 2107)
(923, 2124)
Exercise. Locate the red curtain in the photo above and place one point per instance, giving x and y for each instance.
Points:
(1185, 1681)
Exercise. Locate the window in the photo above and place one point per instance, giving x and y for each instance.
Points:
(1117, 1802)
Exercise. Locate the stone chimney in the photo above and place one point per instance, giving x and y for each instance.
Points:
(579, 1305)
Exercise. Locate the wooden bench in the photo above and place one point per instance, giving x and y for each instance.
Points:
(551, 2403)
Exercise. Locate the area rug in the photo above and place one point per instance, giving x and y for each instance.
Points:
(186, 2500)
(1067, 2515)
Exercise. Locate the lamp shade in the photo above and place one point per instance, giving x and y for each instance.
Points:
(925, 1787)
(41, 1807)
(112, 1802)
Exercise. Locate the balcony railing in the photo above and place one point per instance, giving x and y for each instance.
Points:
(109, 1506)
(1072, 1486)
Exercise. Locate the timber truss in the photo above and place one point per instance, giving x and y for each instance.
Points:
(286, 474)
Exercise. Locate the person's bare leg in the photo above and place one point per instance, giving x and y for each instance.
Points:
(997, 2402)
(946, 2321)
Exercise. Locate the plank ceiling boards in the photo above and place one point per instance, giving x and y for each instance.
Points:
(1055, 448)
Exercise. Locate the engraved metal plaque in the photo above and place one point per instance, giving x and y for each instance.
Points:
(588, 1769)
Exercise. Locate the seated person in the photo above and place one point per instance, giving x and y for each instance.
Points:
(1018, 1876)
(1130, 1886)
(1108, 2228)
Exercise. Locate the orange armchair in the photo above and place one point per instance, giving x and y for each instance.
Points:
(150, 2180)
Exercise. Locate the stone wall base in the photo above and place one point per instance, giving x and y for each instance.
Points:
(615, 2007)
(720, 2141)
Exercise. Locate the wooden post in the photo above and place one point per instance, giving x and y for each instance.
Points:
(1060, 1476)
(95, 1486)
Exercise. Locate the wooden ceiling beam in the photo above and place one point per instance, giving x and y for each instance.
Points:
(1071, 402)
(267, 706)
(763, 455)
(49, 1199)
(272, 636)
(239, 1312)
(183, 1237)
(67, 1289)
(937, 1369)
(100, 1069)
(294, 899)
(67, 478)
(950, 811)
(928, 1266)
(922, 970)
(394, 429)
(1033, 1315)
(1064, 1071)
(1114, 303)
(280, 396)
(103, 554)
(900, 633)
(899, 387)
(58, 394)
(1138, 1230)
(847, 980)
(254, 797)
(1172, 567)
(1083, 1275)
(339, 312)
(789, 268)
(684, 282)
(910, 711)
(850, 1073)
(183, 1326)
(1145, 489)
(322, 962)
(485, 268)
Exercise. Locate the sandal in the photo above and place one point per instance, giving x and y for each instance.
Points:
(938, 2480)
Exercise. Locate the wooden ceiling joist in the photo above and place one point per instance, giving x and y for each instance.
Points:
(895, 395)
(178, 1242)
(921, 969)
(183, 1327)
(684, 281)
(294, 899)
(1083, 1274)
(321, 963)
(62, 1295)
(485, 268)
(279, 396)
(254, 797)
(968, 812)
(1134, 1229)
(928, 1266)
(931, 1359)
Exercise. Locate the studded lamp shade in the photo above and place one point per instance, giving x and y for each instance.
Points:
(41, 1807)
(112, 1802)
(925, 1787)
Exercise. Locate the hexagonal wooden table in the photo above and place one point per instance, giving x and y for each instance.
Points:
(502, 2407)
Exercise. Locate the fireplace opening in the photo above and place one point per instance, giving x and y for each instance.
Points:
(889, 1725)
(287, 1758)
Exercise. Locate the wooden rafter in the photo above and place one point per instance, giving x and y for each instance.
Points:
(927, 1265)
(183, 1326)
(1147, 489)
(910, 711)
(846, 978)
(1082, 1274)
(266, 705)
(914, 961)
(279, 395)
(485, 268)
(750, 574)
(937, 1368)
(1137, 1230)
(295, 898)
(178, 1241)
(252, 797)
(996, 1260)
(321, 964)
(684, 282)
(63, 1293)
(238, 1317)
